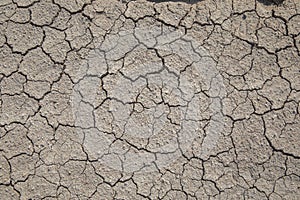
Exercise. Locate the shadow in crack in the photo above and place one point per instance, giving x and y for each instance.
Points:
(185, 1)
(271, 2)
(265, 2)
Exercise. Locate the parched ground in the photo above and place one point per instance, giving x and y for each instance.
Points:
(119, 99)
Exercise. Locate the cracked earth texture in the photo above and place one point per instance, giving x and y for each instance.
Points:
(109, 99)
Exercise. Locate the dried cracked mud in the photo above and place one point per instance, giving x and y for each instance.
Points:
(109, 99)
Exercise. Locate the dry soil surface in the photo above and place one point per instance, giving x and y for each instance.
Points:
(111, 99)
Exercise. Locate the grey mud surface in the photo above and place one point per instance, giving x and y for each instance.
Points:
(108, 99)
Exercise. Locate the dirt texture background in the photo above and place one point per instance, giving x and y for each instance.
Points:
(110, 99)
